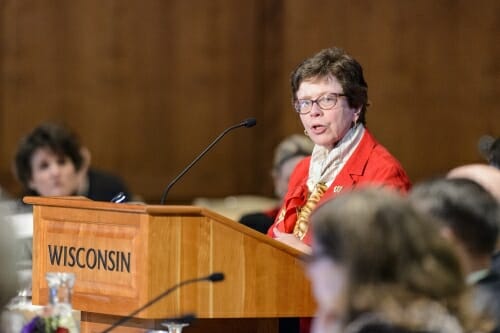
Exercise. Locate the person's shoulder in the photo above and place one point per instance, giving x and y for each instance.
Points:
(259, 221)
(103, 186)
(375, 151)
(101, 174)
(382, 165)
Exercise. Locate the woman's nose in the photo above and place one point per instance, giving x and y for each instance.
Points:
(55, 169)
(316, 110)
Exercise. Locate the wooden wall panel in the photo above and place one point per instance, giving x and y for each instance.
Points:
(431, 66)
(147, 84)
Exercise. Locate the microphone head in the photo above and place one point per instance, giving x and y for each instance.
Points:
(119, 198)
(216, 277)
(250, 122)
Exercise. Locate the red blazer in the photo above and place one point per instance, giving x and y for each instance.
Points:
(370, 163)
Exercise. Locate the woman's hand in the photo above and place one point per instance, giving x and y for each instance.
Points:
(291, 240)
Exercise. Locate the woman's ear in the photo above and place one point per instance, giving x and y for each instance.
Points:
(357, 113)
(86, 158)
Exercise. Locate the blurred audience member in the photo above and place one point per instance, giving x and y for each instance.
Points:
(50, 161)
(469, 216)
(488, 177)
(485, 175)
(379, 266)
(287, 154)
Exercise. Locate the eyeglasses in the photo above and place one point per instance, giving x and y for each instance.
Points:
(325, 102)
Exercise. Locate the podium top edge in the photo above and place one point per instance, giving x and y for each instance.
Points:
(76, 202)
(85, 203)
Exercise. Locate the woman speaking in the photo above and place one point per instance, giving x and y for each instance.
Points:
(330, 95)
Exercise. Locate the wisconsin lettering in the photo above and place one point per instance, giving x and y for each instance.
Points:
(89, 258)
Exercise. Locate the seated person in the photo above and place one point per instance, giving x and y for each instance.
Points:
(379, 266)
(483, 174)
(468, 216)
(51, 162)
(287, 154)
(489, 178)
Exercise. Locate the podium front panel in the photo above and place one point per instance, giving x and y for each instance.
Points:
(123, 256)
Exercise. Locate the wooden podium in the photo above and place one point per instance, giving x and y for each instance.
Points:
(124, 255)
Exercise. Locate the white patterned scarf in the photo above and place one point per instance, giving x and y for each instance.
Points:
(326, 165)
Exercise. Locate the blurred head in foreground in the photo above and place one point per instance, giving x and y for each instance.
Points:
(485, 175)
(376, 261)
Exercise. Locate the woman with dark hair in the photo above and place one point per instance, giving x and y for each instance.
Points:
(50, 161)
(379, 266)
(330, 95)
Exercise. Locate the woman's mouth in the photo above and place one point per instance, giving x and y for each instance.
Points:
(318, 129)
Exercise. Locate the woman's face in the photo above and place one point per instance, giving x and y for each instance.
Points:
(326, 127)
(53, 175)
(329, 284)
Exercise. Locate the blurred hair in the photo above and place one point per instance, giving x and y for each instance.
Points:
(392, 254)
(290, 147)
(494, 154)
(464, 206)
(485, 175)
(55, 137)
(335, 62)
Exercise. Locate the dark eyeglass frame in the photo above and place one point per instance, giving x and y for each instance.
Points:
(320, 101)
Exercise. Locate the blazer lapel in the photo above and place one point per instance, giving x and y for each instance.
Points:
(355, 166)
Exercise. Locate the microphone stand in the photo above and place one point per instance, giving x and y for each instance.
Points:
(215, 277)
(247, 123)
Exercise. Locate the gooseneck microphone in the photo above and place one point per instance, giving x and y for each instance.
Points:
(214, 277)
(250, 122)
